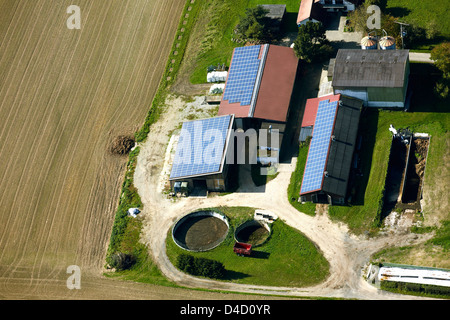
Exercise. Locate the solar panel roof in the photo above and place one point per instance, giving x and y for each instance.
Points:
(201, 147)
(319, 146)
(242, 75)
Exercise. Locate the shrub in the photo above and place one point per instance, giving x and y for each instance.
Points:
(200, 266)
(407, 287)
(254, 25)
(121, 261)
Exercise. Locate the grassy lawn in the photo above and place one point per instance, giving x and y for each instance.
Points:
(421, 13)
(296, 182)
(216, 31)
(287, 258)
(145, 270)
(433, 253)
(428, 114)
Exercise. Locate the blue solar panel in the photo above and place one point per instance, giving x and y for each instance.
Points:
(242, 75)
(200, 147)
(318, 149)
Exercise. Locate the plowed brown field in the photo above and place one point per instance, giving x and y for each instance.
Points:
(64, 95)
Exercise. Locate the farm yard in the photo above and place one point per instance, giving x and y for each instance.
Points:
(67, 95)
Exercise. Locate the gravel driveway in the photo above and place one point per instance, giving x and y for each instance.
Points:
(346, 253)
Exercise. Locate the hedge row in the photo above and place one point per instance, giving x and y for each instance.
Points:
(129, 199)
(200, 266)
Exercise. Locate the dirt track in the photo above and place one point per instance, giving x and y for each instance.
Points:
(346, 254)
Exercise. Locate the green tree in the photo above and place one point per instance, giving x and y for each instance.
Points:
(441, 56)
(441, 89)
(254, 25)
(431, 29)
(311, 44)
(358, 19)
(380, 3)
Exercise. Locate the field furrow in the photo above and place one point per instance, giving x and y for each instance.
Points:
(64, 95)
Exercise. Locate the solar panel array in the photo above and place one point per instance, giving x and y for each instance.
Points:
(200, 147)
(318, 149)
(242, 75)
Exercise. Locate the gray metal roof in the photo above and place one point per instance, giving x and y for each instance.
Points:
(305, 132)
(276, 11)
(370, 68)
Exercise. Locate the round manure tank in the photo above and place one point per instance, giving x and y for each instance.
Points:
(200, 230)
(369, 43)
(253, 232)
(387, 43)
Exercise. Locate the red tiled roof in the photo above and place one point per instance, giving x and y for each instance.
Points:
(277, 84)
(275, 88)
(309, 9)
(233, 108)
(309, 115)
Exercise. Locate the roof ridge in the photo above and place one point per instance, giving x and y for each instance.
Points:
(262, 64)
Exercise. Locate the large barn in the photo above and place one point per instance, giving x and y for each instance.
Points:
(377, 77)
(259, 87)
(335, 121)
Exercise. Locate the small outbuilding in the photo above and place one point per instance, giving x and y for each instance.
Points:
(310, 10)
(339, 5)
(276, 14)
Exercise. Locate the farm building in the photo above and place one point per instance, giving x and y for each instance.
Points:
(309, 115)
(259, 87)
(310, 10)
(276, 14)
(339, 5)
(334, 120)
(414, 274)
(378, 77)
(200, 158)
(315, 10)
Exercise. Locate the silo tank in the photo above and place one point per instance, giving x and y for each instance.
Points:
(368, 43)
(387, 43)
